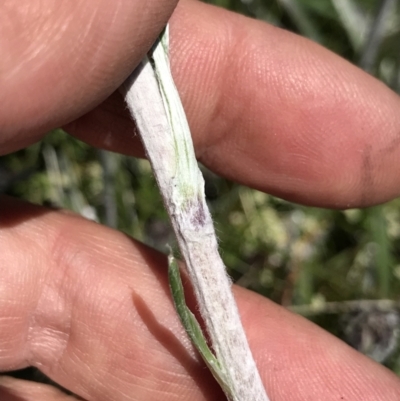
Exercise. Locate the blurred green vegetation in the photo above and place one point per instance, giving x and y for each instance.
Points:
(318, 259)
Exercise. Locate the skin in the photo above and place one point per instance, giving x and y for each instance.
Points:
(89, 306)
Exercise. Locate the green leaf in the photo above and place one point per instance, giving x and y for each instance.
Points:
(192, 326)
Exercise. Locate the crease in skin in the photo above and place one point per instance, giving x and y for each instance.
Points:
(50, 328)
(12, 389)
(49, 324)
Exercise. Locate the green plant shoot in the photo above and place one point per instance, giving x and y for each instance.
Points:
(192, 326)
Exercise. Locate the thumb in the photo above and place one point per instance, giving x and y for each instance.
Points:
(60, 59)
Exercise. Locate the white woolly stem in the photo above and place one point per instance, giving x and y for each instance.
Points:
(155, 105)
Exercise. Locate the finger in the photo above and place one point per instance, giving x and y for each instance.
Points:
(300, 361)
(60, 59)
(12, 389)
(93, 310)
(274, 111)
(94, 314)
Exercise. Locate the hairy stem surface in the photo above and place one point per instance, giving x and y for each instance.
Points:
(155, 105)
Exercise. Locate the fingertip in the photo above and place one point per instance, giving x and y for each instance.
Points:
(63, 59)
(282, 114)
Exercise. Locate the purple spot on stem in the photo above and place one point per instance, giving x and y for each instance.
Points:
(198, 216)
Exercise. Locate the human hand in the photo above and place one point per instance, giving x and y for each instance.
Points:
(89, 306)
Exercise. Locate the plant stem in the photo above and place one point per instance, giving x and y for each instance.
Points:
(154, 103)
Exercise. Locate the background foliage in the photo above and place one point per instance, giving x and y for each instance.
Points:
(323, 263)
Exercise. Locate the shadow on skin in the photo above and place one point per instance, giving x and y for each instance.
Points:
(19, 211)
(16, 389)
(195, 367)
(158, 264)
(9, 395)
